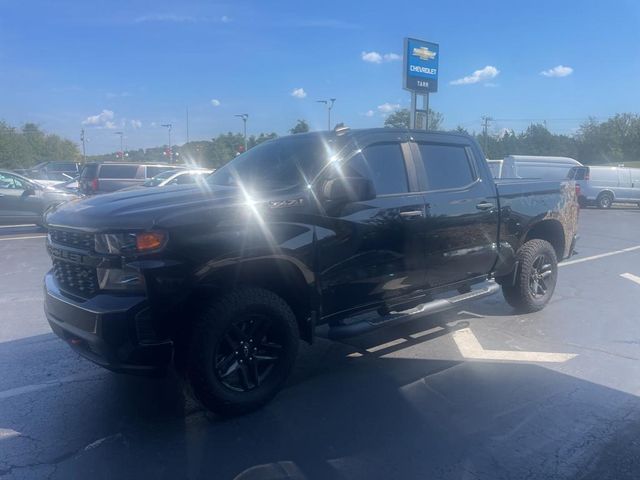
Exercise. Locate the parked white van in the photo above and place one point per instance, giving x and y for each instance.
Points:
(603, 186)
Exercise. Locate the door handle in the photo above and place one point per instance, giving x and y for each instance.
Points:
(412, 214)
(484, 206)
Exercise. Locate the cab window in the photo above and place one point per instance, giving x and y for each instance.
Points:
(11, 182)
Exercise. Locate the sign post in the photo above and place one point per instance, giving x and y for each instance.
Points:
(420, 77)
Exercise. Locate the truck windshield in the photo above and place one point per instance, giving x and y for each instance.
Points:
(276, 164)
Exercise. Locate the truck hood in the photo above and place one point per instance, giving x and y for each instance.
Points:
(145, 208)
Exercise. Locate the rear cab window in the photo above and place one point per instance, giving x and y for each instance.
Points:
(447, 166)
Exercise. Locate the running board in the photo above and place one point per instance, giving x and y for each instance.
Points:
(339, 332)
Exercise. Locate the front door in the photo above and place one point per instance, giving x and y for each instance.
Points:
(16, 204)
(371, 251)
(461, 213)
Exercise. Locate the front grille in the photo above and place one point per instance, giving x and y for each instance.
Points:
(76, 279)
(82, 240)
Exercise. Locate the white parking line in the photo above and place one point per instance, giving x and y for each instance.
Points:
(22, 238)
(596, 257)
(18, 226)
(13, 392)
(632, 277)
(470, 347)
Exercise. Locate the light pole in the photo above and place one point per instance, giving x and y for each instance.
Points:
(244, 117)
(329, 103)
(170, 151)
(84, 149)
(121, 144)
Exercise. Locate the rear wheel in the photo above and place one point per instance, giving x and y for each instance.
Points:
(242, 350)
(536, 278)
(605, 200)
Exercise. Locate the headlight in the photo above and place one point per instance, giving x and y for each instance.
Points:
(123, 243)
(120, 279)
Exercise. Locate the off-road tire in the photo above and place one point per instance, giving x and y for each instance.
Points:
(210, 333)
(520, 295)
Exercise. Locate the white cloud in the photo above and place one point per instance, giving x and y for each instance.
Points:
(298, 93)
(135, 123)
(369, 113)
(375, 57)
(486, 73)
(225, 19)
(154, 124)
(102, 120)
(215, 102)
(557, 71)
(372, 57)
(388, 107)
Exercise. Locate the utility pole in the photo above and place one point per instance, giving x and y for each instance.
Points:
(329, 103)
(84, 149)
(485, 127)
(244, 117)
(121, 144)
(170, 151)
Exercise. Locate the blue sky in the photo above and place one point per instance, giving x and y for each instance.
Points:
(133, 65)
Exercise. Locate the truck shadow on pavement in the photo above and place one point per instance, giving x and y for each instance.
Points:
(347, 413)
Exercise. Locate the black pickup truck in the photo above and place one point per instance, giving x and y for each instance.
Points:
(307, 230)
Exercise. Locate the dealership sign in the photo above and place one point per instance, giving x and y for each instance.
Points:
(420, 66)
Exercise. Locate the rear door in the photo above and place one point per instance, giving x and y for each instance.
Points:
(461, 210)
(371, 252)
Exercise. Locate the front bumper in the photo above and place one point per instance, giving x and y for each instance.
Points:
(114, 331)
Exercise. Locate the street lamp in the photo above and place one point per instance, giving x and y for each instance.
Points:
(329, 103)
(244, 117)
(168, 127)
(121, 145)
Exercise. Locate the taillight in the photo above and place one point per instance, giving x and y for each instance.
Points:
(94, 184)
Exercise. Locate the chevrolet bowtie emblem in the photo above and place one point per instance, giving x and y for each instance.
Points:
(423, 53)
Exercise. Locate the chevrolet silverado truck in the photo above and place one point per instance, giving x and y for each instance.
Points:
(223, 279)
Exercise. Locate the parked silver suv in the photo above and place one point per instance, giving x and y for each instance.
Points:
(111, 176)
(603, 186)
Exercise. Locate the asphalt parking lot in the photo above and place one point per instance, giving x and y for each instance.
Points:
(474, 394)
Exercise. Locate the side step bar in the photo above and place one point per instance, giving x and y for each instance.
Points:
(352, 329)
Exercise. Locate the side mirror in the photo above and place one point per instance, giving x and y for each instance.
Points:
(349, 189)
(29, 190)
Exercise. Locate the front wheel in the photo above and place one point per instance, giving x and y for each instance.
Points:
(536, 278)
(242, 350)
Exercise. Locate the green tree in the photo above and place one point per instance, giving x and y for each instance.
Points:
(28, 145)
(301, 127)
(400, 119)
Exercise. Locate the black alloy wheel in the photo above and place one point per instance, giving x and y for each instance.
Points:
(248, 353)
(243, 347)
(535, 279)
(541, 274)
